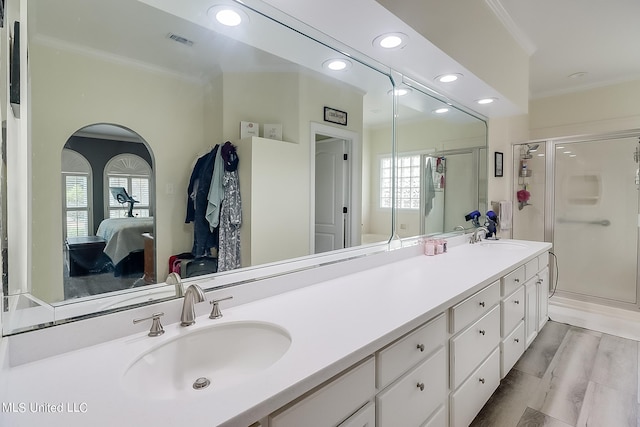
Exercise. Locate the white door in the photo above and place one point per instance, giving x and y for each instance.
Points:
(331, 206)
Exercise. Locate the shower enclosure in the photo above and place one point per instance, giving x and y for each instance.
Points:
(452, 188)
(586, 204)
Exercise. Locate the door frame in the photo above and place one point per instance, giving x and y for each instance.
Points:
(353, 176)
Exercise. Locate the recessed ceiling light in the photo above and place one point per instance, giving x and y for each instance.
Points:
(337, 64)
(400, 91)
(566, 152)
(577, 75)
(572, 155)
(484, 101)
(448, 78)
(559, 147)
(227, 15)
(441, 110)
(540, 155)
(391, 41)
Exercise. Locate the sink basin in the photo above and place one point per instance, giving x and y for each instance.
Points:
(210, 358)
(501, 244)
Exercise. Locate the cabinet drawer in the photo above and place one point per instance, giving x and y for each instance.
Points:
(543, 260)
(511, 281)
(530, 269)
(512, 310)
(405, 353)
(512, 348)
(412, 399)
(365, 417)
(472, 308)
(333, 402)
(467, 401)
(438, 419)
(470, 347)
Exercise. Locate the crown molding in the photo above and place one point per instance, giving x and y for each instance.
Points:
(508, 23)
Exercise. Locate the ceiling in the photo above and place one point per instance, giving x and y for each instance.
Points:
(562, 37)
(597, 37)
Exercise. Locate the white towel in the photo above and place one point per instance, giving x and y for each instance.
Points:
(505, 215)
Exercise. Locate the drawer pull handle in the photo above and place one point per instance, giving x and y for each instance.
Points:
(517, 301)
(481, 380)
(420, 347)
(539, 282)
(516, 339)
(516, 280)
(481, 303)
(482, 331)
(420, 386)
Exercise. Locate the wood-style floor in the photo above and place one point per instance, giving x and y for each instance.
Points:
(569, 376)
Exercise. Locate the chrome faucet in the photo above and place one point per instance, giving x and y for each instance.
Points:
(475, 237)
(175, 280)
(192, 295)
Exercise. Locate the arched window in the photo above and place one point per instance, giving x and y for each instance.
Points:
(76, 197)
(134, 174)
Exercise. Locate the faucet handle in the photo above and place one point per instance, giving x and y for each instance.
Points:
(156, 327)
(215, 310)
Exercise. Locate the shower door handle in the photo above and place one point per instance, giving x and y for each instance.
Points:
(602, 222)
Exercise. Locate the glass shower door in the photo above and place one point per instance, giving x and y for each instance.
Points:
(596, 220)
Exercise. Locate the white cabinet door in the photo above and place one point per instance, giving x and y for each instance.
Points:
(543, 297)
(467, 401)
(512, 311)
(474, 344)
(531, 311)
(365, 417)
(333, 402)
(411, 400)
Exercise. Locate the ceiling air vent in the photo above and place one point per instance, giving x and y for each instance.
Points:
(180, 39)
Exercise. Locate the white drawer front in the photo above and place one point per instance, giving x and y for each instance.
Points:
(474, 344)
(365, 417)
(332, 403)
(472, 308)
(512, 310)
(467, 401)
(511, 281)
(512, 348)
(412, 399)
(405, 353)
(439, 419)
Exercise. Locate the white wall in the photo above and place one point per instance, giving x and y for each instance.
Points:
(600, 110)
(503, 132)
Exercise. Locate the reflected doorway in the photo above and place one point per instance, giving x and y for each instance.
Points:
(108, 239)
(332, 199)
(336, 185)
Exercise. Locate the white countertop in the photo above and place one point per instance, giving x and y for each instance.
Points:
(333, 325)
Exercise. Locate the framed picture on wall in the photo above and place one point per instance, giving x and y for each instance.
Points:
(498, 164)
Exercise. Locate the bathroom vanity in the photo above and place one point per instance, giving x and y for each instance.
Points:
(400, 339)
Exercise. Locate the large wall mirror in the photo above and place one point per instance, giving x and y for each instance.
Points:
(442, 164)
(158, 88)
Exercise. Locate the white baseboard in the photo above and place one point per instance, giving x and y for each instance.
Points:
(609, 320)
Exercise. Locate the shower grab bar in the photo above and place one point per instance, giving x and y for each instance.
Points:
(602, 222)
